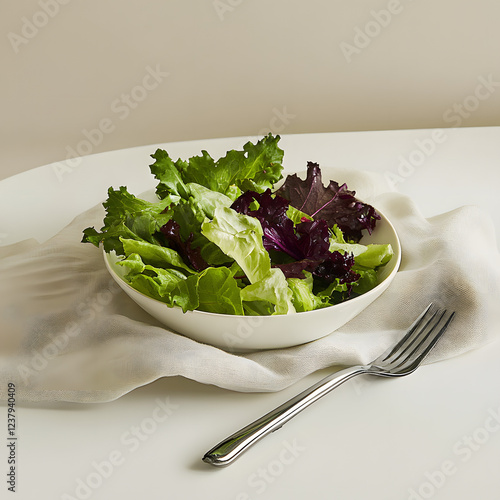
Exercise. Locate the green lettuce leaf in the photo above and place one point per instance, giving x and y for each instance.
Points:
(258, 308)
(257, 167)
(296, 215)
(212, 290)
(303, 297)
(151, 281)
(191, 213)
(155, 255)
(240, 237)
(272, 288)
(206, 199)
(129, 217)
(374, 256)
(368, 279)
(335, 292)
(369, 256)
(169, 174)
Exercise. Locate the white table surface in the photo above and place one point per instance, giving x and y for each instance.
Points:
(435, 434)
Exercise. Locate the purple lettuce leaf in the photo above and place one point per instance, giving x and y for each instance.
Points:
(191, 256)
(278, 229)
(335, 204)
(337, 266)
(307, 243)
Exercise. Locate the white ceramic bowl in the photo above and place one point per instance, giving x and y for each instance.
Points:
(244, 333)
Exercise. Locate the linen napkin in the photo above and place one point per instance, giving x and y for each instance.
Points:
(68, 332)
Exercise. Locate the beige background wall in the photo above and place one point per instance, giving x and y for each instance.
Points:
(85, 76)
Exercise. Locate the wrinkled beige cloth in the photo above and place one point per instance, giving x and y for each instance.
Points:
(68, 333)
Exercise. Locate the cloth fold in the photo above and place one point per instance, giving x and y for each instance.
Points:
(68, 332)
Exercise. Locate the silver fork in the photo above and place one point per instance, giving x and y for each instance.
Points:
(402, 359)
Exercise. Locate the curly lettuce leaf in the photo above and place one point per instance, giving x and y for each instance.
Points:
(152, 281)
(303, 297)
(336, 292)
(257, 167)
(368, 279)
(335, 204)
(129, 217)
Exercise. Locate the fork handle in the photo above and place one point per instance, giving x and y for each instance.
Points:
(233, 446)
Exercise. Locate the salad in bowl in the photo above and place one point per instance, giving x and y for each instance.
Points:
(231, 238)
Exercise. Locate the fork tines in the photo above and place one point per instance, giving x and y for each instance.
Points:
(422, 336)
